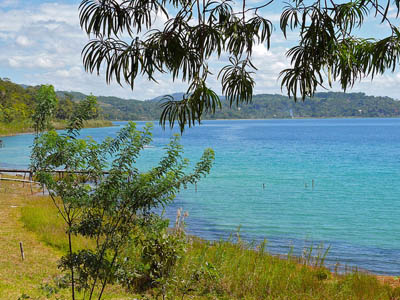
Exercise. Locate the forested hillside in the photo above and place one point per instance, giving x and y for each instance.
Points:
(17, 103)
(329, 105)
(17, 106)
(114, 108)
(264, 106)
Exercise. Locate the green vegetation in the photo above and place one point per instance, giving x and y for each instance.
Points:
(45, 105)
(20, 106)
(203, 270)
(322, 105)
(331, 46)
(43, 219)
(17, 107)
(109, 210)
(22, 218)
(264, 106)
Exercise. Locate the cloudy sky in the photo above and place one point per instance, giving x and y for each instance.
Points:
(41, 43)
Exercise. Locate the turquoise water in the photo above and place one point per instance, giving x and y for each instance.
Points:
(354, 205)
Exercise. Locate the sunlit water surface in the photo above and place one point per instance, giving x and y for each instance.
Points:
(354, 206)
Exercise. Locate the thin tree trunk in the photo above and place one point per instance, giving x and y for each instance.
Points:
(105, 280)
(72, 267)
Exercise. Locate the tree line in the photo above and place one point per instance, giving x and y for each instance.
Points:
(17, 106)
(263, 106)
(23, 106)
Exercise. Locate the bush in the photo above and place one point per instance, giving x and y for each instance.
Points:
(111, 209)
(151, 258)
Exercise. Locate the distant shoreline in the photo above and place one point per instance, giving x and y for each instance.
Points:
(61, 126)
(110, 123)
(271, 119)
(305, 118)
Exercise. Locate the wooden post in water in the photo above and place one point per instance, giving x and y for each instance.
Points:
(21, 247)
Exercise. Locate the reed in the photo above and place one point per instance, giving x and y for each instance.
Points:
(236, 269)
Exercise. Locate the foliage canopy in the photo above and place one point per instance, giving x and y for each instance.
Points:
(128, 42)
(37, 108)
(264, 106)
(46, 103)
(107, 208)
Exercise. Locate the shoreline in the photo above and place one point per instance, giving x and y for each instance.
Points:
(335, 265)
(334, 269)
(273, 119)
(16, 202)
(288, 122)
(107, 123)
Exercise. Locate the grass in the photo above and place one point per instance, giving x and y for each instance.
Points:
(87, 124)
(208, 270)
(25, 126)
(17, 276)
(236, 271)
(15, 128)
(43, 219)
(37, 228)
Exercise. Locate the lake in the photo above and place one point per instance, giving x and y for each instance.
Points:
(291, 182)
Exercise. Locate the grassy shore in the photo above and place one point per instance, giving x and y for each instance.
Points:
(26, 127)
(15, 128)
(207, 270)
(38, 276)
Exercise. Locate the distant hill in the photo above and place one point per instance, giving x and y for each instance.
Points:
(264, 106)
(114, 108)
(16, 102)
(176, 96)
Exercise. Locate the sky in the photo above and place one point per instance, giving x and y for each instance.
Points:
(41, 43)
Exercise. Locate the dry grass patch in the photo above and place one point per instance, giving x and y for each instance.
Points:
(33, 220)
(17, 276)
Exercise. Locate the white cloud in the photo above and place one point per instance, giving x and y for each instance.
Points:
(23, 41)
(9, 3)
(42, 44)
(13, 62)
(73, 72)
(51, 13)
(274, 18)
(38, 60)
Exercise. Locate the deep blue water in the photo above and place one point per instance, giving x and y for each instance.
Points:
(354, 206)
